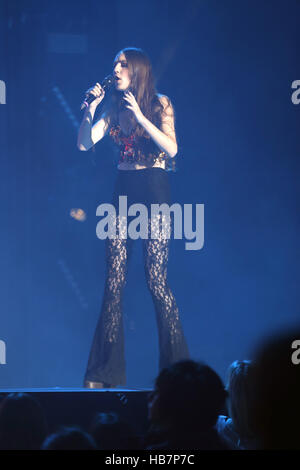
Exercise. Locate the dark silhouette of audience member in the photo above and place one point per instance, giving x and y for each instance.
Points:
(69, 438)
(111, 433)
(237, 429)
(22, 423)
(277, 392)
(184, 407)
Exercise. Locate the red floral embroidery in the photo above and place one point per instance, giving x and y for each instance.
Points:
(130, 152)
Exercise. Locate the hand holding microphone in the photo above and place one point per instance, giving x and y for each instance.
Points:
(96, 93)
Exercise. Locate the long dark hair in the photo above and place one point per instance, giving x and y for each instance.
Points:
(142, 86)
(240, 385)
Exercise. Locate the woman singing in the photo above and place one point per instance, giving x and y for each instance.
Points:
(141, 125)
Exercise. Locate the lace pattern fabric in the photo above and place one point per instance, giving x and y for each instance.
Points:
(106, 361)
(172, 344)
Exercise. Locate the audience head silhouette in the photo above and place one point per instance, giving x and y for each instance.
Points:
(277, 392)
(110, 432)
(22, 422)
(69, 438)
(184, 407)
(240, 387)
(187, 393)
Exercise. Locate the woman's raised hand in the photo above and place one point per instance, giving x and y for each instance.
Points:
(97, 91)
(133, 105)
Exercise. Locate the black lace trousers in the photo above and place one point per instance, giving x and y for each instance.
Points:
(106, 361)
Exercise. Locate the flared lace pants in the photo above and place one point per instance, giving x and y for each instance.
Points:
(106, 362)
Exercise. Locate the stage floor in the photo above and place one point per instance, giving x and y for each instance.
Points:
(71, 389)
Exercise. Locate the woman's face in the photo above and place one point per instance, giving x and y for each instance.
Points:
(121, 73)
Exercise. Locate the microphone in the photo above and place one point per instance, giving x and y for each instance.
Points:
(106, 84)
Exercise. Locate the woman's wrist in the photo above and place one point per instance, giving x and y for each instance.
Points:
(141, 119)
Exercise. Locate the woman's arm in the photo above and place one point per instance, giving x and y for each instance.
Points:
(89, 135)
(165, 139)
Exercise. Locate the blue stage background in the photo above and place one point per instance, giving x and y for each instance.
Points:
(228, 67)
